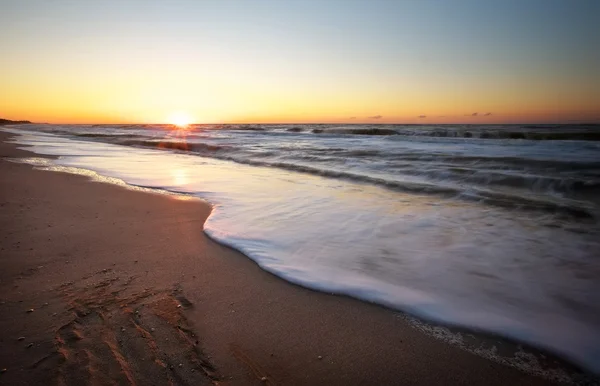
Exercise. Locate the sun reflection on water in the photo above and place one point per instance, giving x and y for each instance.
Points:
(180, 177)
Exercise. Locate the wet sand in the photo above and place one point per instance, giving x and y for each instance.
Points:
(104, 285)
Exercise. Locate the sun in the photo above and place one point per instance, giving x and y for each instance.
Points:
(180, 119)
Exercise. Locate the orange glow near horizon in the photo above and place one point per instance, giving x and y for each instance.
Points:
(134, 102)
(78, 115)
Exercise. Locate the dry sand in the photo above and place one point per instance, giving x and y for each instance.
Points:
(125, 288)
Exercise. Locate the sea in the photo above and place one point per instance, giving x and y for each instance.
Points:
(490, 227)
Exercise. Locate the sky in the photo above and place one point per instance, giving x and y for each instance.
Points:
(300, 61)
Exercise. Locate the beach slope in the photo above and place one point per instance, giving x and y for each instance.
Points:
(105, 285)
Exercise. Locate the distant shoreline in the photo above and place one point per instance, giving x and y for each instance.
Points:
(9, 122)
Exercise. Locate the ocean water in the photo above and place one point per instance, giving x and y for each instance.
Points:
(495, 228)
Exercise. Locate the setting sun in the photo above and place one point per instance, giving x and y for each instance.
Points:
(180, 119)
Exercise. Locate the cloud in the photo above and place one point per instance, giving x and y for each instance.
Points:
(487, 114)
(474, 114)
(352, 118)
(441, 116)
(375, 117)
(422, 116)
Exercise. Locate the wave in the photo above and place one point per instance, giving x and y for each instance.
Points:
(107, 135)
(506, 200)
(501, 134)
(503, 162)
(201, 148)
(356, 131)
(245, 128)
(444, 188)
(498, 171)
(539, 181)
(589, 132)
(535, 136)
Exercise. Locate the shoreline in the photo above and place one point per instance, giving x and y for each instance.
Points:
(297, 335)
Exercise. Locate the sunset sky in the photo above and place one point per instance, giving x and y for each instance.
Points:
(300, 61)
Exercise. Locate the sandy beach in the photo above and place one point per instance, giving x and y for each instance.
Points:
(105, 285)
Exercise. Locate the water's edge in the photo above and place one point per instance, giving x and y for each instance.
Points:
(526, 357)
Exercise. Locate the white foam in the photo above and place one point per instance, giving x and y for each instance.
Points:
(515, 356)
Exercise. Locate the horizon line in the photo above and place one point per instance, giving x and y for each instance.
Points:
(310, 123)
